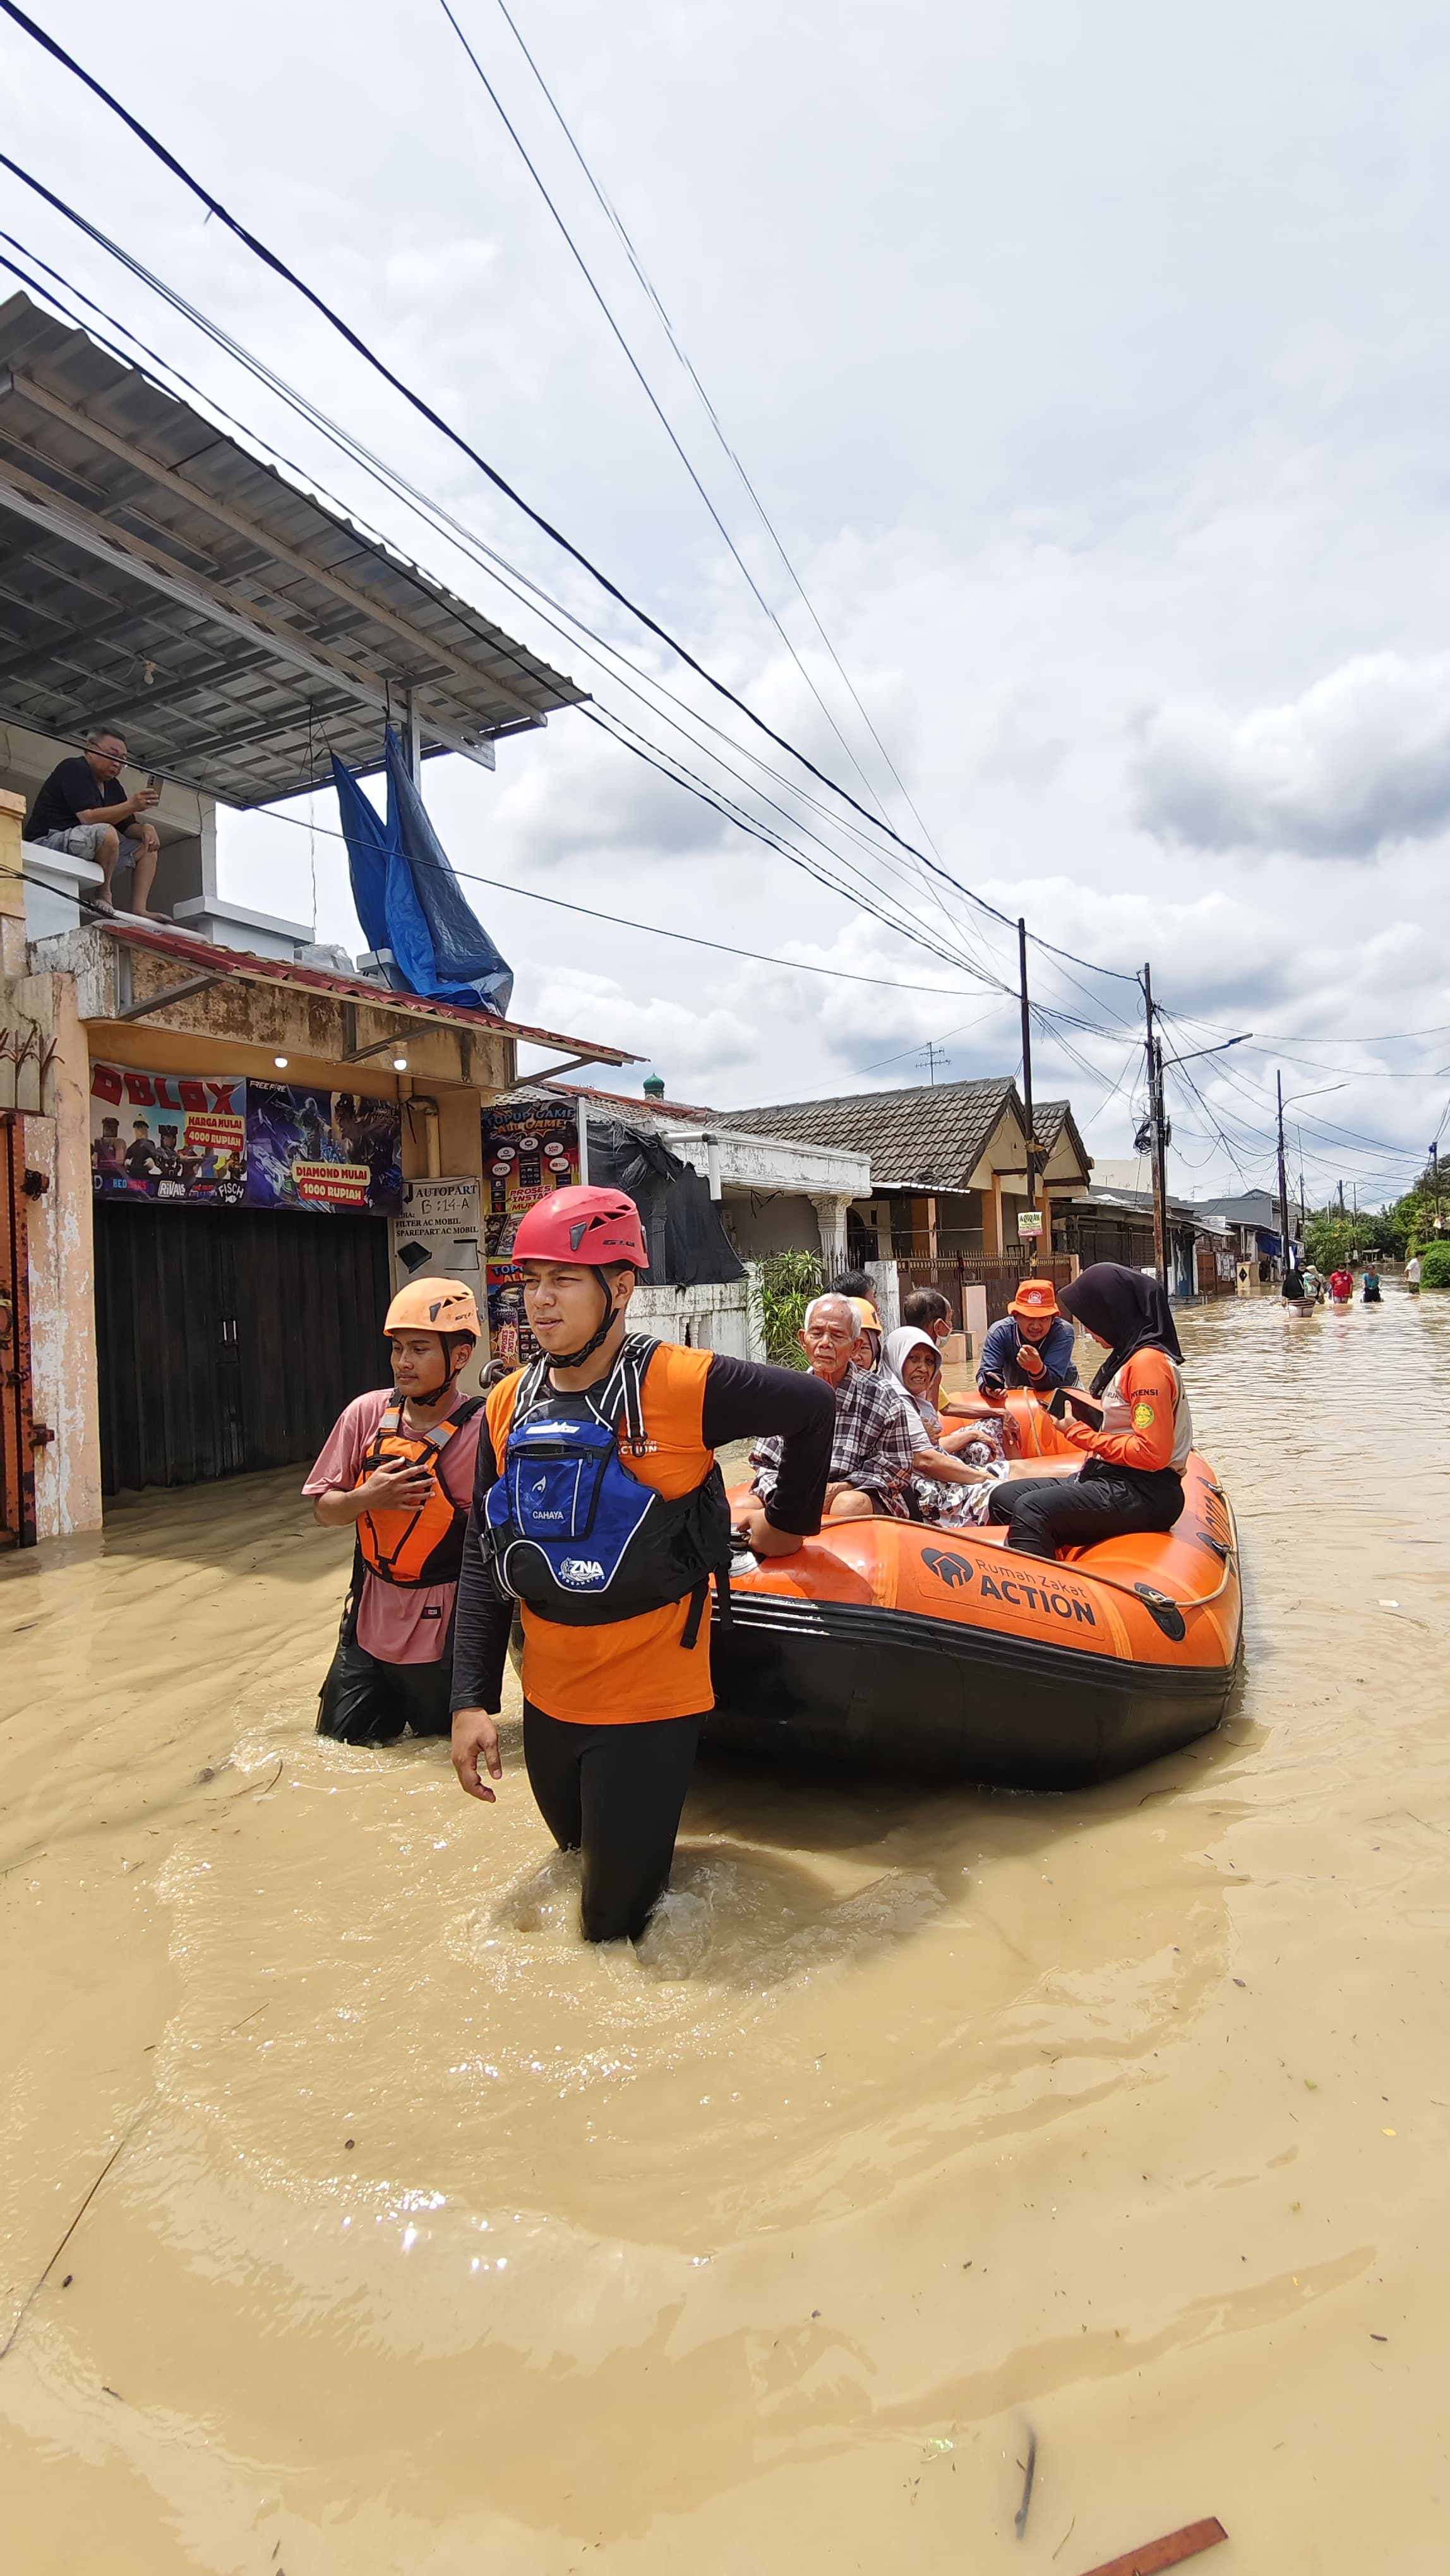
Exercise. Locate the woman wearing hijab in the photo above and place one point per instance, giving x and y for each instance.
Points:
(944, 1488)
(1136, 1454)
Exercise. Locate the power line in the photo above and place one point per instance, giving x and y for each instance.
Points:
(481, 552)
(613, 217)
(642, 379)
(426, 411)
(509, 576)
(679, 773)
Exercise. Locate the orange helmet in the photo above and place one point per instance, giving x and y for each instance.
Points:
(866, 1315)
(433, 1306)
(1036, 1299)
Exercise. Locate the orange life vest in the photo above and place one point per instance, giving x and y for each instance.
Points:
(422, 1544)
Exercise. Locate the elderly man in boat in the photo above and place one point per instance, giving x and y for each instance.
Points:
(873, 1454)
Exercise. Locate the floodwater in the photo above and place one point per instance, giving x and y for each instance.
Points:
(924, 2125)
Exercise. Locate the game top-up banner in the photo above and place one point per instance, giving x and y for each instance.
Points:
(322, 1151)
(509, 1337)
(207, 1140)
(167, 1136)
(528, 1150)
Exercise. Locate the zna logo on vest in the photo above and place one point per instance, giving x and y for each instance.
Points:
(580, 1569)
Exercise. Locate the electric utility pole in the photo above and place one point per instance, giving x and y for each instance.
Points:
(1435, 1177)
(1027, 1090)
(1155, 1114)
(1283, 1187)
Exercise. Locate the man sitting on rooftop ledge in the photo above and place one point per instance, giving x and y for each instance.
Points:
(84, 810)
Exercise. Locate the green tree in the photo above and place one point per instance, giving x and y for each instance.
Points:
(1435, 1265)
(1327, 1240)
(785, 1283)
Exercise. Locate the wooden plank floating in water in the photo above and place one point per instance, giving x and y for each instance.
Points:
(1171, 2551)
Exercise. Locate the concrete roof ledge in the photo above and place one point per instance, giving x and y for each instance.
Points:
(779, 1163)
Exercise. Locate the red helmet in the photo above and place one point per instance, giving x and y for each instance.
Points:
(585, 1225)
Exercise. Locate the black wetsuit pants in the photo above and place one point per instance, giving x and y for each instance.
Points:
(365, 1701)
(1049, 1512)
(615, 1794)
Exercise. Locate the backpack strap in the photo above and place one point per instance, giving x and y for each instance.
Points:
(530, 1392)
(622, 1400)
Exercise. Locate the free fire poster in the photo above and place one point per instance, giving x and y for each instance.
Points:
(168, 1136)
(529, 1148)
(322, 1152)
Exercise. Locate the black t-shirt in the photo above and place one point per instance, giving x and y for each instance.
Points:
(70, 791)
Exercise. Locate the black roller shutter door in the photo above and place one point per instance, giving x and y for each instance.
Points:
(231, 1339)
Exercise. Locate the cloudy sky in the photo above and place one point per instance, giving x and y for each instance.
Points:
(1091, 366)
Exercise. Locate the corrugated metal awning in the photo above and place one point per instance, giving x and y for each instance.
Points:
(241, 965)
(156, 575)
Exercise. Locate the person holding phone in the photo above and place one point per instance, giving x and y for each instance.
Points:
(1136, 1445)
(1030, 1346)
(84, 810)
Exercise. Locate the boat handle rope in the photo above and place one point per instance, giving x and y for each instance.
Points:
(1149, 1593)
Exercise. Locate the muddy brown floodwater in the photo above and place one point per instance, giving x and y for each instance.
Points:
(924, 2122)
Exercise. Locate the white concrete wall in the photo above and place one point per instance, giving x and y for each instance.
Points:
(886, 1283)
(711, 1318)
(769, 1162)
(783, 1222)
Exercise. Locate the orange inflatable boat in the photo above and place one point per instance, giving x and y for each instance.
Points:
(943, 1651)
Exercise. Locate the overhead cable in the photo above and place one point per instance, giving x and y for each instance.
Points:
(436, 420)
(647, 389)
(865, 891)
(617, 225)
(494, 563)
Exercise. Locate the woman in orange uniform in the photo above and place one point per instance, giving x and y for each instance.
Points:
(1137, 1450)
(599, 1507)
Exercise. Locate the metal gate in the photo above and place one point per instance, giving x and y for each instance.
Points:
(17, 1422)
(231, 1339)
(1001, 1274)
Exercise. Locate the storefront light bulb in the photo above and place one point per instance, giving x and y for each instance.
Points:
(280, 1062)
(400, 1064)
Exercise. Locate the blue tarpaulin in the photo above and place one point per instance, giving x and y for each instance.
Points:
(409, 900)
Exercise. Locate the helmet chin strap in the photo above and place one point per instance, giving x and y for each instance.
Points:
(453, 1366)
(572, 1359)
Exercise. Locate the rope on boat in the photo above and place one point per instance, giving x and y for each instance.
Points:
(1188, 1601)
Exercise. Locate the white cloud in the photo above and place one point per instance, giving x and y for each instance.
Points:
(1091, 403)
(1359, 761)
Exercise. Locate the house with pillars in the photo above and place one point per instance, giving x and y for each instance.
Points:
(948, 1165)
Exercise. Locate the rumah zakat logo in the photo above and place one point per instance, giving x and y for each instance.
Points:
(581, 1569)
(947, 1569)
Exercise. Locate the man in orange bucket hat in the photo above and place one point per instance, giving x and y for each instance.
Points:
(1031, 1346)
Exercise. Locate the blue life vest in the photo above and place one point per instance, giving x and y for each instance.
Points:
(571, 1532)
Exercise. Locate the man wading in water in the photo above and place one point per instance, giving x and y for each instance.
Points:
(599, 1505)
(398, 1468)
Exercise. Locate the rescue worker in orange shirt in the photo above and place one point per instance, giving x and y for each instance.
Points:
(1137, 1445)
(599, 1506)
(398, 1469)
